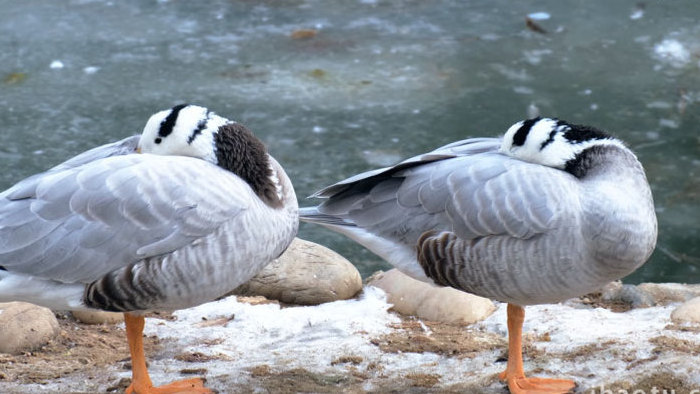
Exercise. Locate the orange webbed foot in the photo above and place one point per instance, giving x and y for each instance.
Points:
(523, 385)
(514, 374)
(185, 386)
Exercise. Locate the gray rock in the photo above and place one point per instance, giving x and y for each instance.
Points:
(24, 327)
(665, 293)
(98, 317)
(629, 294)
(306, 274)
(688, 312)
(429, 302)
(649, 294)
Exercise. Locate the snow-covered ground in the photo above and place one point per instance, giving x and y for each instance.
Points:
(246, 348)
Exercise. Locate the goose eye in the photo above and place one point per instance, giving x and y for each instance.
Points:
(158, 140)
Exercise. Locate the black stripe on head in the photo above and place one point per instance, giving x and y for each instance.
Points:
(553, 133)
(200, 126)
(579, 133)
(550, 139)
(521, 135)
(167, 125)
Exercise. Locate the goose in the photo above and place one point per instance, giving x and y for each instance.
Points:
(549, 211)
(170, 219)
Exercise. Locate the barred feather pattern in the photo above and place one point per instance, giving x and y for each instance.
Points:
(552, 214)
(205, 269)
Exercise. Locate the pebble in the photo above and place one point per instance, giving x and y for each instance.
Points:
(429, 302)
(665, 293)
(630, 294)
(306, 274)
(649, 294)
(24, 327)
(98, 317)
(688, 312)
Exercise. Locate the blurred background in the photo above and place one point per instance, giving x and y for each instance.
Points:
(336, 87)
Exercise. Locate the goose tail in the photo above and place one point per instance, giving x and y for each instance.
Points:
(313, 215)
(52, 294)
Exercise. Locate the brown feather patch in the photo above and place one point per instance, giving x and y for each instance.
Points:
(240, 152)
(440, 257)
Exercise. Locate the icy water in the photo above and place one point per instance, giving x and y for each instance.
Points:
(338, 87)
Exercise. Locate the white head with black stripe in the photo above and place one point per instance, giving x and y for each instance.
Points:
(552, 142)
(184, 130)
(191, 130)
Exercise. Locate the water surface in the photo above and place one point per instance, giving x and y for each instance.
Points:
(338, 87)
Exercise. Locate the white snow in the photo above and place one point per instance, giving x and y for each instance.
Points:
(637, 14)
(56, 65)
(299, 336)
(673, 53)
(91, 69)
(312, 337)
(539, 16)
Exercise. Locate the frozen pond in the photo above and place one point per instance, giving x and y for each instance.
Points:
(338, 87)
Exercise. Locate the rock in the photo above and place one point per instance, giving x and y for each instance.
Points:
(629, 294)
(98, 317)
(306, 274)
(429, 302)
(649, 294)
(25, 326)
(665, 293)
(688, 312)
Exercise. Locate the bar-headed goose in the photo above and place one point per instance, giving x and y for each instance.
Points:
(173, 218)
(548, 212)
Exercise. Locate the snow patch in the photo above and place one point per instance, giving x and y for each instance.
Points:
(539, 16)
(673, 53)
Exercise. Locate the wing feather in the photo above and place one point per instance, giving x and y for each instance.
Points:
(81, 220)
(459, 148)
(477, 192)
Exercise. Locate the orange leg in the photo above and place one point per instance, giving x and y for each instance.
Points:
(141, 382)
(514, 374)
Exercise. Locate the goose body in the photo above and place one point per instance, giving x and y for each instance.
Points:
(173, 218)
(548, 212)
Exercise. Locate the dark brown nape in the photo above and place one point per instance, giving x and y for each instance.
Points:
(583, 162)
(242, 153)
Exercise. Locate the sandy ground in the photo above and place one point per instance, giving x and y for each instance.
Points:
(251, 345)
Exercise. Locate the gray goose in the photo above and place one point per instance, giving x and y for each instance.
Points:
(175, 217)
(549, 211)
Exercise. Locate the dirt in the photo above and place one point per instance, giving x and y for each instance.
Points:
(665, 343)
(78, 347)
(416, 336)
(656, 383)
(596, 300)
(83, 351)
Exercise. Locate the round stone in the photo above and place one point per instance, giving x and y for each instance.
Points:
(305, 274)
(688, 312)
(98, 317)
(24, 327)
(430, 302)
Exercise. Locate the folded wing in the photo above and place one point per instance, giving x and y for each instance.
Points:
(87, 217)
(467, 187)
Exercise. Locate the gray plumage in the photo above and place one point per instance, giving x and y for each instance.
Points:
(548, 212)
(132, 232)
